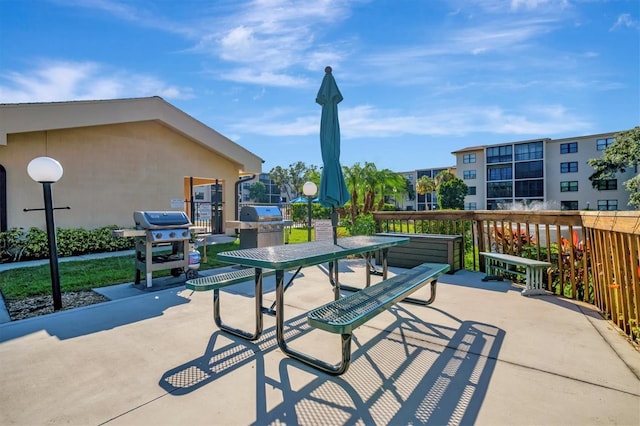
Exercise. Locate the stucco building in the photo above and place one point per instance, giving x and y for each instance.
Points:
(118, 156)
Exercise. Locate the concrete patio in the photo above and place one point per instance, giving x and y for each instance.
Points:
(481, 354)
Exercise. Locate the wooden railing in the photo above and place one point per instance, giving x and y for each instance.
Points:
(595, 255)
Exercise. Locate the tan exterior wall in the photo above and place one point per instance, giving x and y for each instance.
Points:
(109, 172)
(479, 182)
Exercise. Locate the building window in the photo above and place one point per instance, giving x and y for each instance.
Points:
(602, 144)
(470, 206)
(568, 205)
(499, 154)
(468, 158)
(607, 184)
(569, 167)
(471, 190)
(529, 188)
(567, 148)
(529, 169)
(528, 151)
(499, 190)
(569, 186)
(499, 173)
(469, 174)
(607, 204)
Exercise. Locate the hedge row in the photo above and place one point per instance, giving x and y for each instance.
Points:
(16, 244)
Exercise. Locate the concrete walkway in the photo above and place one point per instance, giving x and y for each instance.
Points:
(482, 354)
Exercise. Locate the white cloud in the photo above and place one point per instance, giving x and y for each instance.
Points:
(65, 81)
(625, 20)
(535, 4)
(264, 78)
(365, 121)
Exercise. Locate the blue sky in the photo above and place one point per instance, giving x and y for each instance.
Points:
(420, 78)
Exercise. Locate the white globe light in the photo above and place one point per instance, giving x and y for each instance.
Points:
(44, 169)
(309, 188)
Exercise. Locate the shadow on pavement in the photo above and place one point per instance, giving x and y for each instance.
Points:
(95, 318)
(411, 372)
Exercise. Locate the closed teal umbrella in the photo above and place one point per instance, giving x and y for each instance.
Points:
(333, 189)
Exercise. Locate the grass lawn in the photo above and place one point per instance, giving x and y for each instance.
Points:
(87, 274)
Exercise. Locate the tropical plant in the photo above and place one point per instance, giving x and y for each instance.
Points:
(352, 176)
(390, 184)
(425, 185)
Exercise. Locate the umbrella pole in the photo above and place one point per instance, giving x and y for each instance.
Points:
(334, 224)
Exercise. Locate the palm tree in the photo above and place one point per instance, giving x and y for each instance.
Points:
(352, 176)
(389, 184)
(370, 178)
(425, 185)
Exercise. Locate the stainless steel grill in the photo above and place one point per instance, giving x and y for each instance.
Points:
(261, 226)
(157, 228)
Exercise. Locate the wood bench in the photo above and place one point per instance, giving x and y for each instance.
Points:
(495, 263)
(344, 315)
(225, 279)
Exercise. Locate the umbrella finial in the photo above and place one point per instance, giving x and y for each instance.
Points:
(328, 70)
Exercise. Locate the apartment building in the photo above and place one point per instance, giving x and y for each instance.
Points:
(421, 201)
(273, 195)
(540, 173)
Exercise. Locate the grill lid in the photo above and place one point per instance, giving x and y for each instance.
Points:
(158, 220)
(260, 214)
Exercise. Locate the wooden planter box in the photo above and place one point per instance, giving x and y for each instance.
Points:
(425, 248)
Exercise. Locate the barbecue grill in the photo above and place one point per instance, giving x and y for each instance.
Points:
(158, 228)
(260, 226)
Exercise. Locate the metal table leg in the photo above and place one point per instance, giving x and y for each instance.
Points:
(258, 312)
(307, 359)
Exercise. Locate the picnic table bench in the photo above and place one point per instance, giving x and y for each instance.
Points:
(225, 279)
(495, 263)
(344, 315)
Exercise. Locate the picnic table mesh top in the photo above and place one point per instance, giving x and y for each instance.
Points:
(294, 255)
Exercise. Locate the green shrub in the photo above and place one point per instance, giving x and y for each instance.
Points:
(300, 212)
(16, 244)
(363, 225)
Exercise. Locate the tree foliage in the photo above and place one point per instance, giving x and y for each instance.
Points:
(622, 154)
(451, 194)
(425, 185)
(370, 188)
(258, 192)
(291, 179)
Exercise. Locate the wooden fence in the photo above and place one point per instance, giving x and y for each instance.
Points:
(595, 255)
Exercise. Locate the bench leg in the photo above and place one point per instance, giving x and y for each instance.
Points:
(423, 302)
(258, 312)
(491, 275)
(334, 370)
(534, 283)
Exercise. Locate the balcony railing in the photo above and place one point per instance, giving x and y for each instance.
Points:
(595, 255)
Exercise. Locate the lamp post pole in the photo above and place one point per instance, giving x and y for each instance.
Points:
(309, 219)
(46, 171)
(309, 189)
(53, 247)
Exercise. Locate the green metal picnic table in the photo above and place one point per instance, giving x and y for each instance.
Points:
(289, 257)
